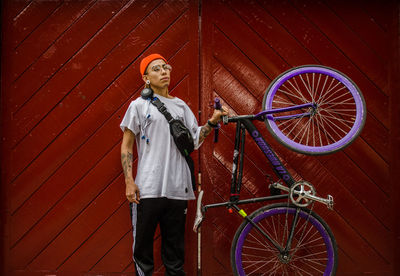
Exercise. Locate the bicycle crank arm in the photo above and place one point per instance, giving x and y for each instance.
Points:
(327, 201)
(281, 187)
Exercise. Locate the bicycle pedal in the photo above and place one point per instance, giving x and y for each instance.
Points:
(330, 202)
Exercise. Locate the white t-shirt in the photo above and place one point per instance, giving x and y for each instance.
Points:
(162, 170)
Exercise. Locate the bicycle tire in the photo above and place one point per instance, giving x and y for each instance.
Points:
(313, 250)
(337, 120)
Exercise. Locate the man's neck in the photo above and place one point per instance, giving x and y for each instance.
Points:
(162, 92)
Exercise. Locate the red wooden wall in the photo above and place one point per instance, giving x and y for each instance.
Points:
(70, 69)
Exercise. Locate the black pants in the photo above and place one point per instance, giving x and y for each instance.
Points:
(171, 215)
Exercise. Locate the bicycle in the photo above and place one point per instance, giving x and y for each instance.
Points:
(312, 110)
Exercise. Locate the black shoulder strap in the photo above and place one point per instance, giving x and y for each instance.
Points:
(162, 108)
(164, 111)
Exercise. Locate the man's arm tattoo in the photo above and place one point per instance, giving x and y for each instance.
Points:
(126, 160)
(205, 130)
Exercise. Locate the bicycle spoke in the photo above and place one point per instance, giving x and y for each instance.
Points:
(283, 104)
(329, 90)
(275, 268)
(285, 234)
(328, 123)
(351, 122)
(274, 229)
(306, 86)
(299, 268)
(307, 244)
(322, 93)
(264, 263)
(332, 94)
(299, 131)
(319, 131)
(328, 136)
(249, 269)
(336, 100)
(314, 260)
(289, 123)
(266, 245)
(305, 126)
(297, 89)
(331, 124)
(272, 250)
(316, 88)
(314, 265)
(291, 94)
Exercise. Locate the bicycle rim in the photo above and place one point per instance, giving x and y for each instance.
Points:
(336, 121)
(313, 250)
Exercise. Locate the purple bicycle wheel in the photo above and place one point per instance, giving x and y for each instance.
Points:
(313, 249)
(336, 119)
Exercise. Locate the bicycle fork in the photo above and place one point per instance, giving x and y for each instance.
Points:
(245, 216)
(284, 252)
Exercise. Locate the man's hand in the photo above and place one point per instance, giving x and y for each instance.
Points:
(215, 119)
(218, 114)
(132, 191)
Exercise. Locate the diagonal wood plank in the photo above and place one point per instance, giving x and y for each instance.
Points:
(28, 16)
(54, 59)
(54, 26)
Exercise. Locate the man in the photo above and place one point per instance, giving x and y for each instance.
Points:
(162, 186)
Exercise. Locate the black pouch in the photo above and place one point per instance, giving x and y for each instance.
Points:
(182, 137)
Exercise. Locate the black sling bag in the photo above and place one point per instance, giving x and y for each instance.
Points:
(181, 135)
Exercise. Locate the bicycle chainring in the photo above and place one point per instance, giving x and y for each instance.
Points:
(299, 193)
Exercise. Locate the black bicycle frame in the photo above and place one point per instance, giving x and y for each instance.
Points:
(243, 124)
(279, 169)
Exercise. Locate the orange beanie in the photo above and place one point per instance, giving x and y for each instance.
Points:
(145, 62)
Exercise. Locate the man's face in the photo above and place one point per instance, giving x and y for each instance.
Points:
(159, 73)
